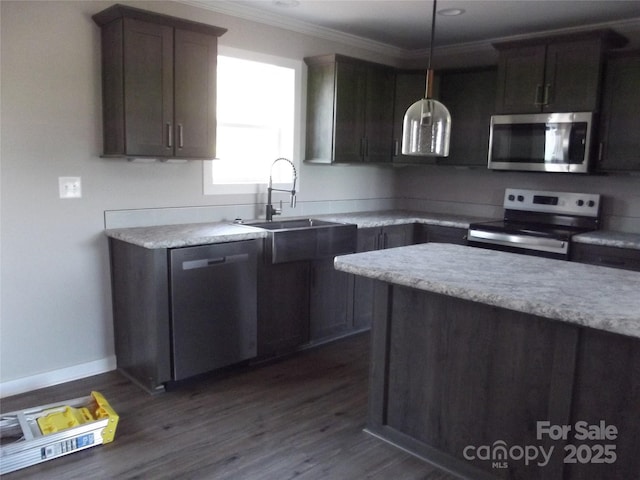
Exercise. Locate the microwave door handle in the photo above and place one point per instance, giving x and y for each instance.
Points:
(555, 148)
(566, 147)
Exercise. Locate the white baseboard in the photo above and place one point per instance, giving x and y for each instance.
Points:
(56, 377)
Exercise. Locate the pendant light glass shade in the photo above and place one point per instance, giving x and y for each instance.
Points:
(427, 124)
(426, 129)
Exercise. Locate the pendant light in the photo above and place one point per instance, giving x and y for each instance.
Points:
(427, 123)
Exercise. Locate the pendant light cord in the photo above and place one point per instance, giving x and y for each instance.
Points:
(433, 34)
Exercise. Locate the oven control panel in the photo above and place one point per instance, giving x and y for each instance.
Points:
(561, 203)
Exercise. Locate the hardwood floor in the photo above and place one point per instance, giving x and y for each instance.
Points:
(302, 417)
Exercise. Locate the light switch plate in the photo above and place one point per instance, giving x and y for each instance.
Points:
(70, 187)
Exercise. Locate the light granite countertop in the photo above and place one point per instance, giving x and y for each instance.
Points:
(400, 217)
(586, 295)
(609, 238)
(182, 235)
(185, 235)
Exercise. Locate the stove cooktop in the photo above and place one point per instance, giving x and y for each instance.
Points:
(534, 230)
(538, 222)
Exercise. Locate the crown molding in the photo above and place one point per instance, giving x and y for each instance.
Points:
(247, 13)
(629, 27)
(624, 27)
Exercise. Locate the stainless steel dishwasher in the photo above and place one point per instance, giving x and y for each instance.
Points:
(213, 306)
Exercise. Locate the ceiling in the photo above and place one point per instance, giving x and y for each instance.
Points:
(405, 24)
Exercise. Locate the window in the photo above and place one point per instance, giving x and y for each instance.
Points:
(258, 114)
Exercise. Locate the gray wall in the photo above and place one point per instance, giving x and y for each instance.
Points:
(55, 305)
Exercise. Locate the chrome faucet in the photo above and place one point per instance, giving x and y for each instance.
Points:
(271, 211)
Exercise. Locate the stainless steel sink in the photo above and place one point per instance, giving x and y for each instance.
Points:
(306, 239)
(293, 224)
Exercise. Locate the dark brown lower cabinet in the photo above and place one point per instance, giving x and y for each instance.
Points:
(301, 303)
(469, 387)
(375, 238)
(283, 307)
(330, 301)
(141, 313)
(625, 258)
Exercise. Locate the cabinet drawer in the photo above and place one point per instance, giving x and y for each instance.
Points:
(440, 234)
(625, 258)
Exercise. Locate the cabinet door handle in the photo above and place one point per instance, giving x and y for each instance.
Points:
(384, 240)
(545, 97)
(169, 135)
(396, 148)
(538, 98)
(362, 147)
(180, 136)
(600, 151)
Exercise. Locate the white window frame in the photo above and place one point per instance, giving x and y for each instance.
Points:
(209, 188)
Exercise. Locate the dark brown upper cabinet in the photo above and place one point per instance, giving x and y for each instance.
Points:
(158, 85)
(409, 88)
(558, 74)
(620, 119)
(469, 95)
(349, 110)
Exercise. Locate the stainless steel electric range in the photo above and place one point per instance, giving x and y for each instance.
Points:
(538, 223)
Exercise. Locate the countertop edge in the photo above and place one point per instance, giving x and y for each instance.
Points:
(560, 311)
(129, 236)
(609, 238)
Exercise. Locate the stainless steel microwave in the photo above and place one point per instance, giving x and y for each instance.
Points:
(541, 142)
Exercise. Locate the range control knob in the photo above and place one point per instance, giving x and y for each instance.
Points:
(580, 202)
(511, 197)
(520, 198)
(591, 203)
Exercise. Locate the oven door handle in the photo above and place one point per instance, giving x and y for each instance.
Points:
(545, 244)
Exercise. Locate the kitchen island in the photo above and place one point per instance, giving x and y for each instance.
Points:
(499, 365)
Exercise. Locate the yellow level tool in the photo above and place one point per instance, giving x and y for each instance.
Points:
(38, 434)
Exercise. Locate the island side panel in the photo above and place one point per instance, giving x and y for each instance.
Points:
(457, 373)
(607, 390)
(379, 364)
